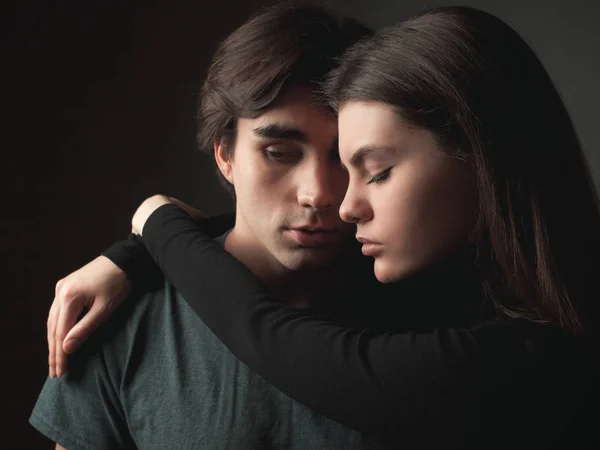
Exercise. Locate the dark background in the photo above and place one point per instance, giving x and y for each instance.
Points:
(98, 103)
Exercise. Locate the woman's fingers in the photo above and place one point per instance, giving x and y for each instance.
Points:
(83, 329)
(51, 330)
(101, 286)
(71, 306)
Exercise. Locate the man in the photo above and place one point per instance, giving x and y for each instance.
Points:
(154, 376)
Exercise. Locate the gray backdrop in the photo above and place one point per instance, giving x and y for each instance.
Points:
(564, 34)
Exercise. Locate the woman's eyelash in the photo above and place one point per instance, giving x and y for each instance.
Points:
(381, 176)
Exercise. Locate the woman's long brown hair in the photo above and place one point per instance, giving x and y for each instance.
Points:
(479, 88)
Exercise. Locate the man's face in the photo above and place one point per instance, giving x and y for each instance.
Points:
(288, 183)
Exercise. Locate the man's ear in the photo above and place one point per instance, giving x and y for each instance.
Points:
(223, 159)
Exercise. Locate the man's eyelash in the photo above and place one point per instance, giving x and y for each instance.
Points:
(279, 155)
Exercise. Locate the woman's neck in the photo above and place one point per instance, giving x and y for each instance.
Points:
(446, 293)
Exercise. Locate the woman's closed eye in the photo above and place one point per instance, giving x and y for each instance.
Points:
(381, 176)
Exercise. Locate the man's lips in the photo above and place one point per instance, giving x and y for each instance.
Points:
(314, 229)
(312, 236)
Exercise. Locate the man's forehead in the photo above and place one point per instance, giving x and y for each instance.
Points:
(304, 93)
(297, 114)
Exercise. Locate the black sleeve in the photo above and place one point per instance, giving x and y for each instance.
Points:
(435, 387)
(132, 257)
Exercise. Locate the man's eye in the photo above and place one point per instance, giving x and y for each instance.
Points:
(281, 155)
(380, 177)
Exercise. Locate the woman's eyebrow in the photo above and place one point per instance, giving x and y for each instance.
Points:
(369, 151)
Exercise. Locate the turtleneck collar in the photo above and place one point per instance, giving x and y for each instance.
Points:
(446, 293)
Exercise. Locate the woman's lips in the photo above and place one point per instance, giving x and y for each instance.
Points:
(369, 248)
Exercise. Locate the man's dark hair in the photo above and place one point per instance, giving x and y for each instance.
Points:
(472, 81)
(286, 44)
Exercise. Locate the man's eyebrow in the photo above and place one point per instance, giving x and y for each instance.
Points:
(367, 151)
(281, 131)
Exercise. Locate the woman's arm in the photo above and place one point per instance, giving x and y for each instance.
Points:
(132, 257)
(408, 387)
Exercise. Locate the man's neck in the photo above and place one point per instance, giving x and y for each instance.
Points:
(297, 289)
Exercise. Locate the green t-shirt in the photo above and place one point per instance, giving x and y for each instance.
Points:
(155, 377)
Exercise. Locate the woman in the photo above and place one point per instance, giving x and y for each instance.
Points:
(450, 103)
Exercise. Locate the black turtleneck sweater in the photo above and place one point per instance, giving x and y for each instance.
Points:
(413, 365)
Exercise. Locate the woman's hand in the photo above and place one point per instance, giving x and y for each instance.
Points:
(100, 286)
(151, 204)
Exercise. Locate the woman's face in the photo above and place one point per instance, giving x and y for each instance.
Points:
(412, 203)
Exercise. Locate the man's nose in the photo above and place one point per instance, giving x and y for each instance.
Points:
(317, 188)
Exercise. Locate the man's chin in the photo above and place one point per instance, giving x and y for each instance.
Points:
(309, 259)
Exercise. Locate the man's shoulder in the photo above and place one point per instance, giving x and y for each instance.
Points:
(84, 408)
(142, 312)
